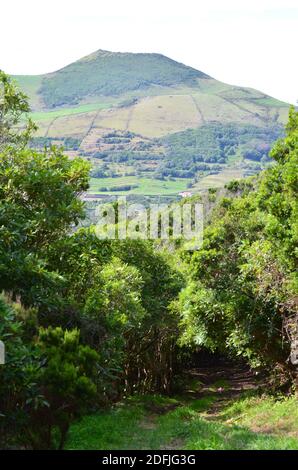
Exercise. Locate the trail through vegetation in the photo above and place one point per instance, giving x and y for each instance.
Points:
(98, 330)
(222, 407)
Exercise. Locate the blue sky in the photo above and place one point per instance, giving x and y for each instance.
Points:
(250, 43)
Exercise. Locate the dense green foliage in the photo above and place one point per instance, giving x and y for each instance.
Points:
(188, 152)
(13, 106)
(92, 318)
(243, 282)
(18, 386)
(38, 204)
(86, 321)
(46, 381)
(67, 380)
(123, 291)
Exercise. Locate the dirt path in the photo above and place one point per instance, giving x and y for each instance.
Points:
(208, 391)
(200, 113)
(224, 383)
(216, 409)
(218, 386)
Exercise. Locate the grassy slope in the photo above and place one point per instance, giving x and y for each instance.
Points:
(155, 422)
(39, 116)
(218, 180)
(170, 93)
(106, 73)
(162, 114)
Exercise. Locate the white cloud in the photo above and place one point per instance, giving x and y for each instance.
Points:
(250, 43)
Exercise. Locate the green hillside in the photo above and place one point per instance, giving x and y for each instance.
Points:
(148, 116)
(105, 73)
(108, 74)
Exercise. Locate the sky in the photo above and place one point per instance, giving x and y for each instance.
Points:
(249, 42)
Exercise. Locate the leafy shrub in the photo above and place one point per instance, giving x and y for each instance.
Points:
(243, 282)
(45, 383)
(67, 380)
(19, 392)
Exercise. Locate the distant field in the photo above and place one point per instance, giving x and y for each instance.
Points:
(161, 115)
(146, 186)
(157, 116)
(85, 108)
(151, 118)
(153, 187)
(218, 180)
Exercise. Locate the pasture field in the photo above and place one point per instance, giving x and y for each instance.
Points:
(154, 187)
(145, 186)
(39, 116)
(218, 180)
(158, 116)
(161, 115)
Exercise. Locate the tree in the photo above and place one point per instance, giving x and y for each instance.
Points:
(48, 378)
(68, 381)
(38, 205)
(18, 388)
(38, 200)
(14, 107)
(124, 291)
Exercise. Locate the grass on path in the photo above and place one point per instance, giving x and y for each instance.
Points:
(186, 422)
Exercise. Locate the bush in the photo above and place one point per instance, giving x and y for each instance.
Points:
(67, 381)
(19, 392)
(243, 281)
(44, 384)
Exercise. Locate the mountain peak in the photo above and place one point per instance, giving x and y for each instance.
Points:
(106, 73)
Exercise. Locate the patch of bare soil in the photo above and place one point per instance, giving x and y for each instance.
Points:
(175, 444)
(225, 383)
(148, 423)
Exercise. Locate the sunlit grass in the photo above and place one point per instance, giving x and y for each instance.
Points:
(146, 186)
(154, 422)
(85, 108)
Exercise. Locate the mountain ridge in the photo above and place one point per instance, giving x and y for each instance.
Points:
(105, 73)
